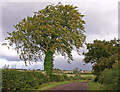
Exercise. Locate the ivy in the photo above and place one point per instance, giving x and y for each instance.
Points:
(57, 28)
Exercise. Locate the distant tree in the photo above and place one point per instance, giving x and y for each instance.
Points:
(38, 70)
(55, 29)
(58, 71)
(75, 70)
(5, 66)
(101, 54)
(80, 70)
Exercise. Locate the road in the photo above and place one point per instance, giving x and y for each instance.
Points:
(71, 87)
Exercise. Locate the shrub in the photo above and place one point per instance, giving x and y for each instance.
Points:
(83, 78)
(45, 79)
(16, 80)
(54, 78)
(109, 78)
(61, 78)
(88, 78)
(66, 77)
(71, 78)
(96, 79)
(57, 78)
(77, 77)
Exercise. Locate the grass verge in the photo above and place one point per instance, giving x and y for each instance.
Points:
(50, 85)
(94, 86)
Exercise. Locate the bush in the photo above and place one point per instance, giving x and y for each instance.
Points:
(16, 80)
(57, 78)
(83, 78)
(109, 78)
(45, 79)
(71, 78)
(96, 79)
(77, 77)
(66, 77)
(61, 78)
(54, 78)
(89, 78)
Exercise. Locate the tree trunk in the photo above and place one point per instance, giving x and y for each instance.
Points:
(48, 63)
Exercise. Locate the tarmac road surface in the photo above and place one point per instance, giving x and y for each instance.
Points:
(71, 87)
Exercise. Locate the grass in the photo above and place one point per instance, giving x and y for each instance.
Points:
(47, 86)
(94, 86)
(70, 75)
(83, 75)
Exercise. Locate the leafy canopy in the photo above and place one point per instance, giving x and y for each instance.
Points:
(102, 54)
(57, 28)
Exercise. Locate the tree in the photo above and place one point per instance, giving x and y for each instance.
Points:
(75, 70)
(102, 54)
(55, 29)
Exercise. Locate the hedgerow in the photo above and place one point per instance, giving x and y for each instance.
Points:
(13, 80)
(17, 80)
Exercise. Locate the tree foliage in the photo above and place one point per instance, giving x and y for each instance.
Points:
(109, 78)
(102, 54)
(75, 70)
(55, 29)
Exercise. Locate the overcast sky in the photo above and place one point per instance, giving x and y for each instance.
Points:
(101, 19)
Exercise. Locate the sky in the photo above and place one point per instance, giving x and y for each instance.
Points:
(101, 19)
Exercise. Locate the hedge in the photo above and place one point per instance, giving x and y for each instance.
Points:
(17, 80)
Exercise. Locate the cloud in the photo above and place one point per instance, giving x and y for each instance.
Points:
(101, 21)
(9, 54)
(13, 13)
(21, 64)
(64, 65)
(58, 63)
(100, 16)
(60, 0)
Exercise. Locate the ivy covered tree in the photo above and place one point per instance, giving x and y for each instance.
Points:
(55, 29)
(102, 55)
